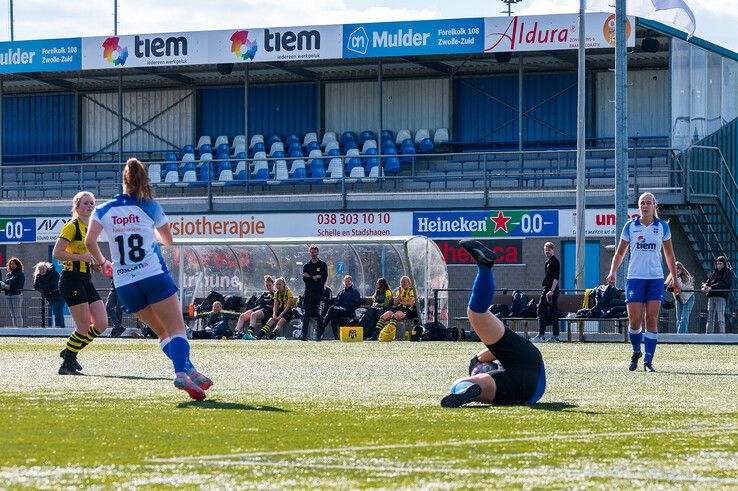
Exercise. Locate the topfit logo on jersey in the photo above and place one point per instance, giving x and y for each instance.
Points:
(114, 52)
(126, 220)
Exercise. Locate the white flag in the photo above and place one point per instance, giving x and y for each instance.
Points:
(675, 13)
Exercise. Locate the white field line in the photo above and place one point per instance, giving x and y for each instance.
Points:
(575, 436)
(549, 471)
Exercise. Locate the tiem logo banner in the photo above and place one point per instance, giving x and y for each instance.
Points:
(413, 38)
(550, 32)
(144, 50)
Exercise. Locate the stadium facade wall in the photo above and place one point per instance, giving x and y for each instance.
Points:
(648, 103)
(282, 109)
(486, 108)
(161, 119)
(406, 104)
(36, 125)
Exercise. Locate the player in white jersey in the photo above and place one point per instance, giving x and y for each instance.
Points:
(645, 236)
(133, 221)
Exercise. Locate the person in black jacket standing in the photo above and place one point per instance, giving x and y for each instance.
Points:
(46, 280)
(344, 305)
(548, 309)
(13, 284)
(314, 274)
(717, 288)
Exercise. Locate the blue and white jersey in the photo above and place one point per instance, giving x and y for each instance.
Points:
(645, 248)
(130, 226)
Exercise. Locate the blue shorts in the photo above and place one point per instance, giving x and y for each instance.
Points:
(642, 291)
(140, 294)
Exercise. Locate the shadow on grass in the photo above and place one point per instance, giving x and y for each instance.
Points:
(130, 377)
(712, 374)
(559, 406)
(216, 404)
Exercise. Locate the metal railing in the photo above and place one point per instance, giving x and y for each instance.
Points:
(449, 307)
(439, 172)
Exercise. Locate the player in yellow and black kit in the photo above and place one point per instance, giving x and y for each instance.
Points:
(403, 308)
(75, 285)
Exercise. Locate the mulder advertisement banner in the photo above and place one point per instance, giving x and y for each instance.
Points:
(424, 37)
(46, 55)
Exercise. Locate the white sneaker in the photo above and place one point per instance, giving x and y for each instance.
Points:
(538, 339)
(553, 339)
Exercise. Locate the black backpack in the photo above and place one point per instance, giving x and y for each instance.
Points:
(232, 303)
(207, 303)
(518, 304)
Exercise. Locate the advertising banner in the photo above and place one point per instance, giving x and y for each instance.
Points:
(17, 230)
(424, 37)
(207, 47)
(598, 222)
(488, 223)
(276, 44)
(551, 32)
(265, 225)
(44, 55)
(509, 250)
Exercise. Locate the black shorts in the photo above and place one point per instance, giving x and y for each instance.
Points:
(287, 316)
(522, 363)
(77, 288)
(409, 313)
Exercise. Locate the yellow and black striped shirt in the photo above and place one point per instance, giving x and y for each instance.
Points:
(75, 232)
(281, 298)
(405, 294)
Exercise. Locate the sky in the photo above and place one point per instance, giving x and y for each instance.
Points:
(42, 19)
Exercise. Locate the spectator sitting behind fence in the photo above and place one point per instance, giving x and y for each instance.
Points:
(13, 284)
(403, 308)
(46, 280)
(344, 306)
(217, 320)
(263, 308)
(381, 302)
(717, 288)
(284, 302)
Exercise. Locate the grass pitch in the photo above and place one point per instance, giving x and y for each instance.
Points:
(345, 416)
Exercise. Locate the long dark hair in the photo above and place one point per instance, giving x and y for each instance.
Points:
(136, 180)
(383, 286)
(720, 273)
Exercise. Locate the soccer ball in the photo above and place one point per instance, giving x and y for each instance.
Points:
(484, 367)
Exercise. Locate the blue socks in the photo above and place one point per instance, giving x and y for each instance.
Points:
(635, 336)
(166, 348)
(483, 290)
(651, 338)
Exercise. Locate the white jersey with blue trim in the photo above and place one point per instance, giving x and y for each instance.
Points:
(130, 226)
(645, 247)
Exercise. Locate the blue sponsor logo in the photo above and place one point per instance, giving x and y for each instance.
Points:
(413, 38)
(41, 56)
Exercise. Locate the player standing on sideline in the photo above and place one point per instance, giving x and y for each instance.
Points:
(133, 220)
(75, 284)
(511, 369)
(646, 235)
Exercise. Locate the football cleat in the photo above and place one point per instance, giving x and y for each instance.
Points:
(647, 367)
(248, 337)
(73, 363)
(200, 380)
(634, 361)
(458, 399)
(183, 382)
(538, 339)
(481, 253)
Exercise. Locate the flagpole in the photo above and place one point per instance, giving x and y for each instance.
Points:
(621, 129)
(581, 234)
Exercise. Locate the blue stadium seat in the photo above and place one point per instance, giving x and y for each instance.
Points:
(349, 145)
(389, 149)
(317, 168)
(407, 143)
(188, 149)
(293, 138)
(346, 137)
(426, 146)
(277, 155)
(365, 135)
(333, 152)
(206, 172)
(408, 154)
(222, 156)
(313, 145)
(223, 148)
(391, 165)
(299, 173)
(205, 148)
(387, 135)
(258, 147)
(352, 162)
(241, 175)
(170, 157)
(273, 139)
(240, 156)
